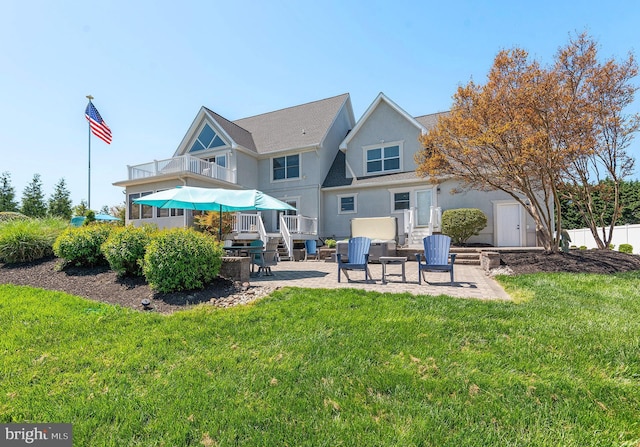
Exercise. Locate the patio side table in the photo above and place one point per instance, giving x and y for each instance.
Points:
(384, 260)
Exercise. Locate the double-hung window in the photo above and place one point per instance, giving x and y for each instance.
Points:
(286, 167)
(383, 159)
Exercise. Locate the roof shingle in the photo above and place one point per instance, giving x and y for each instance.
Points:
(299, 126)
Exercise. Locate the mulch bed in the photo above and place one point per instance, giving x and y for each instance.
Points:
(576, 261)
(102, 284)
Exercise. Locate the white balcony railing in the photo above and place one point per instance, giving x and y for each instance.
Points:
(301, 224)
(180, 165)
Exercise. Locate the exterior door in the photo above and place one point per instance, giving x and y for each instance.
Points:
(509, 219)
(424, 200)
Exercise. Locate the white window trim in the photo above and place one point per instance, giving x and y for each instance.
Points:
(195, 137)
(413, 196)
(381, 145)
(392, 202)
(130, 202)
(355, 203)
(292, 179)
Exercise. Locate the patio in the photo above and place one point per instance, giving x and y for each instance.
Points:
(470, 280)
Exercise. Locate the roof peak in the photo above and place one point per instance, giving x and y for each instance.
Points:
(293, 107)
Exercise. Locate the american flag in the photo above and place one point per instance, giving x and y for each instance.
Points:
(98, 127)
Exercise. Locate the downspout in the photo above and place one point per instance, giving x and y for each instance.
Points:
(184, 217)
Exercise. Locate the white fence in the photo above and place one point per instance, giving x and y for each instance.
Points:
(623, 234)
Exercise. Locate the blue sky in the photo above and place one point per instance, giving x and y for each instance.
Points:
(151, 65)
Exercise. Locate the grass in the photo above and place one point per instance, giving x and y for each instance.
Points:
(334, 367)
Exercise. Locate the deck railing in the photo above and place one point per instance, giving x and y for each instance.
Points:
(179, 165)
(301, 225)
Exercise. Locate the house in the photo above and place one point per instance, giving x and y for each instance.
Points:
(317, 158)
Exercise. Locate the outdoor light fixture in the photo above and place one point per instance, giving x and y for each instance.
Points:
(146, 304)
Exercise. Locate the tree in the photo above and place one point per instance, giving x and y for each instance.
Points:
(118, 211)
(33, 204)
(629, 206)
(60, 201)
(601, 91)
(522, 133)
(81, 209)
(7, 193)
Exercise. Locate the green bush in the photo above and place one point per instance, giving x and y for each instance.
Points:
(626, 248)
(80, 246)
(180, 259)
(583, 247)
(330, 243)
(125, 247)
(25, 240)
(462, 223)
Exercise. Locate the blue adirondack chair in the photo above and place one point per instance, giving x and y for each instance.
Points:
(311, 249)
(357, 257)
(436, 256)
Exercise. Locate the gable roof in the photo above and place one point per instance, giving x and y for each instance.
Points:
(305, 125)
(374, 105)
(430, 121)
(239, 135)
(337, 175)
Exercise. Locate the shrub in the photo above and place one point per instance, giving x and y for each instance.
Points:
(125, 247)
(209, 223)
(330, 243)
(6, 216)
(25, 240)
(462, 223)
(180, 259)
(80, 246)
(626, 248)
(583, 247)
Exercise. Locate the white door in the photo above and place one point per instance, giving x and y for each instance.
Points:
(424, 200)
(509, 225)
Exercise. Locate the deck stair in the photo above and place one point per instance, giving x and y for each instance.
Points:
(466, 255)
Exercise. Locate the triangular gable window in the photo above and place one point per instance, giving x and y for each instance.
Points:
(208, 139)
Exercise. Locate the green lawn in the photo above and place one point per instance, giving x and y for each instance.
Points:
(561, 367)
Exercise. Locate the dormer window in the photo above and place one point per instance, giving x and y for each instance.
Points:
(208, 139)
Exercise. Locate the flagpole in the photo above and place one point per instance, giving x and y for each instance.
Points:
(89, 97)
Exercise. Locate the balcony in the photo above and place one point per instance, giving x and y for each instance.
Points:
(184, 164)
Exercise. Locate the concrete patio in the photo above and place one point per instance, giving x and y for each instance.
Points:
(470, 281)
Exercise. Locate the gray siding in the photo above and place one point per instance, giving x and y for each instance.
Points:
(246, 169)
(384, 124)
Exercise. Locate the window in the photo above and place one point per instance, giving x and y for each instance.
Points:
(169, 212)
(347, 204)
(208, 139)
(383, 159)
(401, 201)
(286, 167)
(220, 160)
(137, 211)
